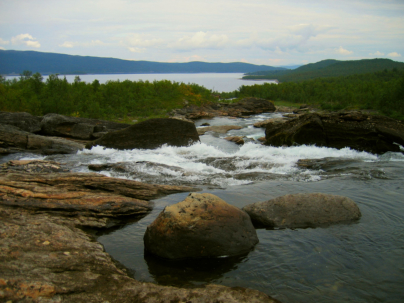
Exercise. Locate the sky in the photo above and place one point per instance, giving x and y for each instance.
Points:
(268, 32)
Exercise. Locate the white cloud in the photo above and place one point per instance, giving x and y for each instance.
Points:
(200, 40)
(377, 54)
(343, 51)
(25, 39)
(138, 40)
(4, 42)
(394, 55)
(70, 44)
(2, 48)
(67, 44)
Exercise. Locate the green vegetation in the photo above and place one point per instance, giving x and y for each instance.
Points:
(112, 101)
(327, 69)
(382, 91)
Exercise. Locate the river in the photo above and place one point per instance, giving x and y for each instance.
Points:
(360, 262)
(218, 82)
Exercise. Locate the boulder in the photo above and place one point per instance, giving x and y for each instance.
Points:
(303, 210)
(201, 226)
(13, 139)
(220, 129)
(150, 134)
(23, 121)
(374, 134)
(77, 128)
(274, 121)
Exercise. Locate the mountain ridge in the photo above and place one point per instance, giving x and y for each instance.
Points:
(15, 62)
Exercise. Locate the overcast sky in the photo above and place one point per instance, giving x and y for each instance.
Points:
(270, 32)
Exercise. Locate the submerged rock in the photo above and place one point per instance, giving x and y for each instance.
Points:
(201, 226)
(303, 210)
(236, 139)
(375, 134)
(150, 134)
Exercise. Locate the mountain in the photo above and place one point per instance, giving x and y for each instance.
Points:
(15, 62)
(328, 68)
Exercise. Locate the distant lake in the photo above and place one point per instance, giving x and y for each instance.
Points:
(220, 82)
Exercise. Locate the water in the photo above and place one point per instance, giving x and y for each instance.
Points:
(220, 82)
(360, 262)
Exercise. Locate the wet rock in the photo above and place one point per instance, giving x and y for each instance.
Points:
(201, 226)
(32, 166)
(88, 199)
(13, 139)
(303, 210)
(220, 129)
(78, 128)
(375, 134)
(46, 258)
(150, 134)
(236, 139)
(271, 121)
(23, 121)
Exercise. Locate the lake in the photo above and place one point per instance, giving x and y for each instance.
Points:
(220, 82)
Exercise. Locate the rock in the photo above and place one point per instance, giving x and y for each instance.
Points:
(303, 210)
(201, 226)
(23, 121)
(88, 199)
(221, 129)
(245, 107)
(46, 258)
(273, 121)
(374, 134)
(13, 139)
(150, 134)
(236, 139)
(78, 128)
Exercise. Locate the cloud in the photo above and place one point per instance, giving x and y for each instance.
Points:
(200, 40)
(70, 44)
(343, 51)
(2, 48)
(138, 40)
(377, 54)
(25, 39)
(4, 42)
(67, 44)
(394, 55)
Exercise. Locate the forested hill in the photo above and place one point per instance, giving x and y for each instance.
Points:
(15, 62)
(328, 68)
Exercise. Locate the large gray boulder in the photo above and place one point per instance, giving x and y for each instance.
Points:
(150, 134)
(23, 121)
(77, 128)
(13, 139)
(303, 210)
(375, 134)
(201, 226)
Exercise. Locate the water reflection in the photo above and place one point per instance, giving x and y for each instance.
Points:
(185, 273)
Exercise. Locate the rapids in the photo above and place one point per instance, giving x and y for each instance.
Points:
(361, 262)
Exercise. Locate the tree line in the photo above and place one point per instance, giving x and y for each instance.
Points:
(112, 101)
(127, 100)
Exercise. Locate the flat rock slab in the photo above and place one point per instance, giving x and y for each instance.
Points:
(303, 210)
(45, 258)
(95, 200)
(201, 226)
